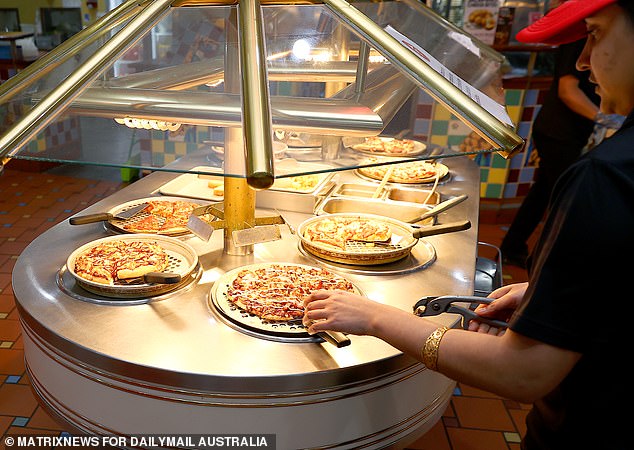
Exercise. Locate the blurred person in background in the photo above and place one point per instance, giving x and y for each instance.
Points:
(562, 351)
(560, 132)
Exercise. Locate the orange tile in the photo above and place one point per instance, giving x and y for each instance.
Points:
(7, 302)
(464, 439)
(435, 439)
(9, 330)
(5, 423)
(42, 420)
(17, 400)
(11, 361)
(484, 413)
(470, 391)
(519, 419)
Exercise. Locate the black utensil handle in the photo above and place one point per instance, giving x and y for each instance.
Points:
(162, 277)
(90, 218)
(335, 338)
(440, 229)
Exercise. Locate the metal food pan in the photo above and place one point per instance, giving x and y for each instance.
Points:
(412, 195)
(405, 212)
(358, 190)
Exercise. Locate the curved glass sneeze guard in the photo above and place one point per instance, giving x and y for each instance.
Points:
(168, 98)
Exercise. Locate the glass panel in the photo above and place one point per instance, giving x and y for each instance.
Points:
(170, 97)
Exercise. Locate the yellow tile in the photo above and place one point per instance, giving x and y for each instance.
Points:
(439, 140)
(497, 176)
(441, 113)
(514, 113)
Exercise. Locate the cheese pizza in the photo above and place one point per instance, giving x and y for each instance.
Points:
(277, 291)
(114, 261)
(336, 231)
(409, 172)
(389, 146)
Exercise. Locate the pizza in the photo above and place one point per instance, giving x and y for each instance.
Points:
(161, 217)
(389, 146)
(277, 291)
(409, 172)
(113, 262)
(336, 231)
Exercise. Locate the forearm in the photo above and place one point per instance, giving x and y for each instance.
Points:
(510, 366)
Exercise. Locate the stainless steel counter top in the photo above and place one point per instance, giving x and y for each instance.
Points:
(176, 340)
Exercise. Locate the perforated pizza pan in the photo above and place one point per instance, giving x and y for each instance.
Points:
(361, 253)
(118, 224)
(246, 321)
(182, 261)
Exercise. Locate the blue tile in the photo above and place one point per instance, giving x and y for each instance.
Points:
(12, 379)
(4, 212)
(7, 225)
(20, 421)
(457, 391)
(22, 204)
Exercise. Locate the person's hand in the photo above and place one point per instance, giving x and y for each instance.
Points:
(340, 311)
(506, 300)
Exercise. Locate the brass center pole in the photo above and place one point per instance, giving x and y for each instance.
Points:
(239, 202)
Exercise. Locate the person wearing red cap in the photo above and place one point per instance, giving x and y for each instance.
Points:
(568, 343)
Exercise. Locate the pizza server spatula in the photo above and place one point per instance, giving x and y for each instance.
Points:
(104, 217)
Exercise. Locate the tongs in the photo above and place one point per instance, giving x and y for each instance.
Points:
(434, 305)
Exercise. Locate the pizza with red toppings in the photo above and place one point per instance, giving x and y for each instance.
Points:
(113, 262)
(162, 217)
(277, 291)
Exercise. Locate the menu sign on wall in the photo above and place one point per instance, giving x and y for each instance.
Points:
(481, 18)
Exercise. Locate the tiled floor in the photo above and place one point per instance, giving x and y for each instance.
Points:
(30, 203)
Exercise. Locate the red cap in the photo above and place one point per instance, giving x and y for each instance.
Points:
(562, 24)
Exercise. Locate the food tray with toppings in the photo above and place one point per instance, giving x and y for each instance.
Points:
(165, 216)
(115, 266)
(267, 298)
(386, 146)
(411, 172)
(359, 239)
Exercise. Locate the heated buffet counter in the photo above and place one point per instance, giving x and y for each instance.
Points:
(173, 364)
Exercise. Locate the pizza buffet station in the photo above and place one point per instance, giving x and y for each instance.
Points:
(174, 305)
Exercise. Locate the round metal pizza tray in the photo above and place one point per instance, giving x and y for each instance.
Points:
(361, 253)
(237, 318)
(422, 256)
(118, 224)
(444, 177)
(67, 283)
(182, 261)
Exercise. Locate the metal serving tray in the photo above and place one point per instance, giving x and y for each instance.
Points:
(396, 210)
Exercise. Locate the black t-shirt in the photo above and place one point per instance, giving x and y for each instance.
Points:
(555, 119)
(580, 297)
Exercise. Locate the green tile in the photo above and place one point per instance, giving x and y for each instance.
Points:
(513, 97)
(170, 147)
(494, 191)
(498, 162)
(454, 140)
(484, 174)
(440, 127)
